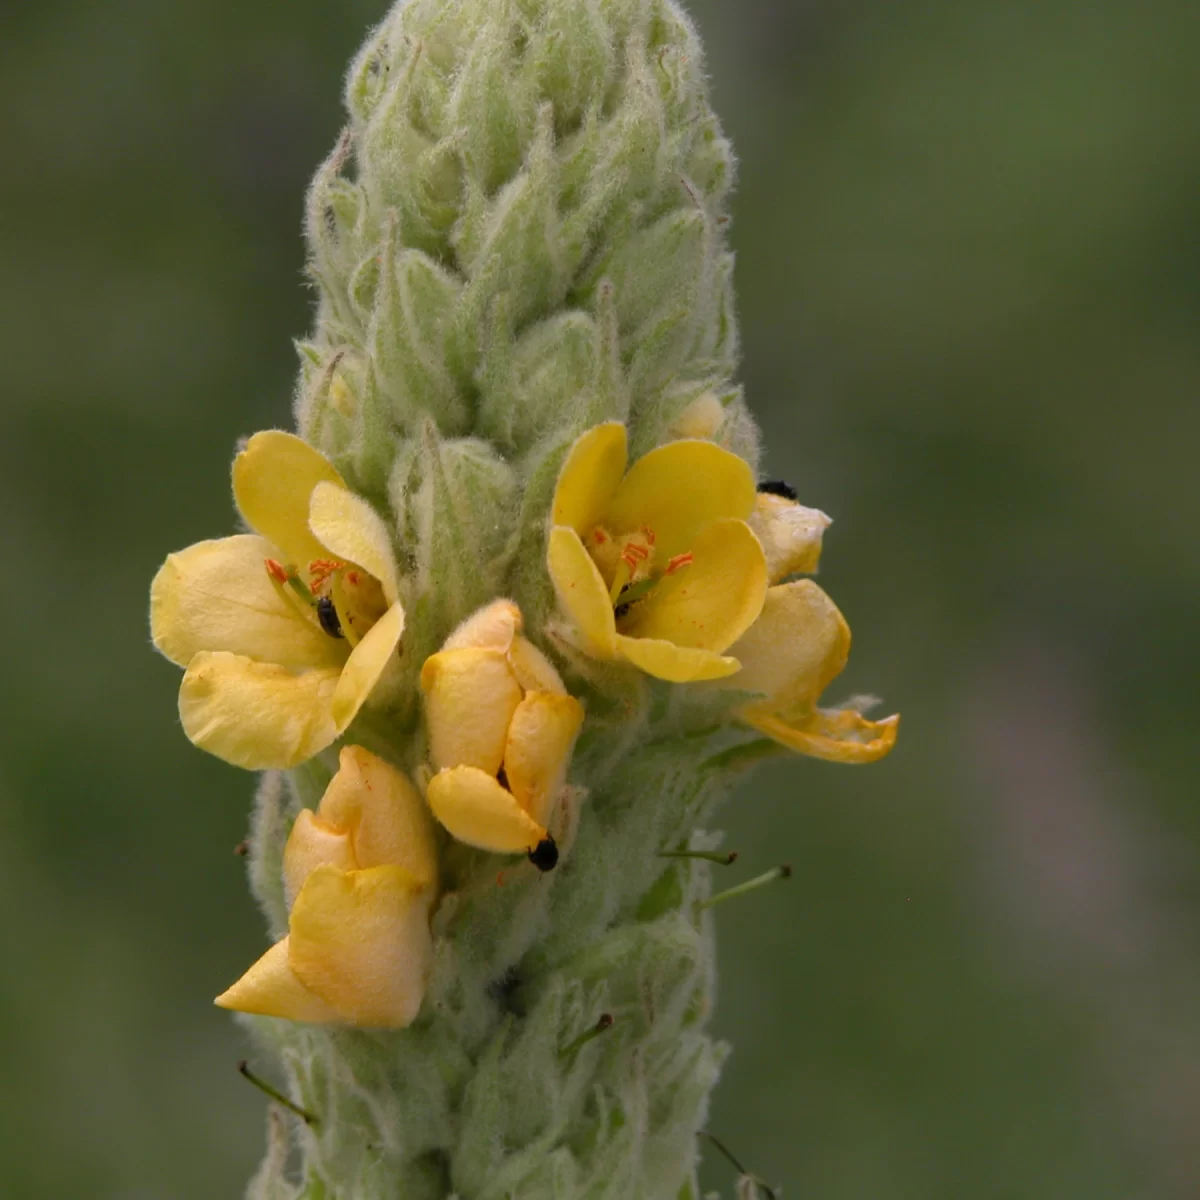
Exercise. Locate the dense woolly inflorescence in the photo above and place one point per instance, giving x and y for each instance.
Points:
(520, 235)
(487, 981)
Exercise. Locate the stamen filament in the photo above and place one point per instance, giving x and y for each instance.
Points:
(620, 578)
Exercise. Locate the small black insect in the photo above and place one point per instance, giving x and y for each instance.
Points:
(327, 615)
(544, 855)
(778, 487)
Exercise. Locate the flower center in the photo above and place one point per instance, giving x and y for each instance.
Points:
(629, 565)
(342, 599)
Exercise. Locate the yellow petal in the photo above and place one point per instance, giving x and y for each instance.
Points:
(383, 814)
(590, 477)
(534, 671)
(257, 715)
(350, 529)
(273, 479)
(581, 590)
(679, 488)
(360, 941)
(836, 735)
(538, 752)
(478, 811)
(366, 664)
(270, 988)
(215, 595)
(790, 534)
(470, 697)
(796, 648)
(712, 601)
(314, 843)
(493, 626)
(676, 664)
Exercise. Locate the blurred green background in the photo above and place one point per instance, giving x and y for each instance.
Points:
(969, 267)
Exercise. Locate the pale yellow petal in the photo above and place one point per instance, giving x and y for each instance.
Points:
(350, 529)
(676, 664)
(702, 418)
(360, 940)
(540, 740)
(842, 736)
(470, 697)
(711, 602)
(676, 490)
(314, 843)
(383, 814)
(589, 477)
(257, 715)
(216, 595)
(270, 988)
(534, 671)
(796, 648)
(366, 664)
(494, 626)
(581, 591)
(273, 479)
(478, 811)
(790, 534)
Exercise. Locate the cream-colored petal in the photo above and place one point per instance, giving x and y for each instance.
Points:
(702, 418)
(360, 940)
(470, 697)
(797, 646)
(273, 479)
(366, 664)
(711, 602)
(590, 477)
(842, 736)
(383, 814)
(216, 595)
(478, 811)
(790, 534)
(581, 591)
(314, 843)
(534, 671)
(676, 490)
(350, 529)
(676, 664)
(256, 715)
(270, 988)
(494, 626)
(540, 740)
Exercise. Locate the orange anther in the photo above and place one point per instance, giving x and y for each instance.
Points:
(320, 569)
(276, 570)
(599, 536)
(680, 561)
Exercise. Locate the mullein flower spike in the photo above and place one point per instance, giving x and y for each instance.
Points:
(521, 237)
(360, 876)
(285, 631)
(501, 730)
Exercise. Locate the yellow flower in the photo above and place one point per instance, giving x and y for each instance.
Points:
(284, 632)
(800, 644)
(658, 565)
(360, 876)
(501, 730)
